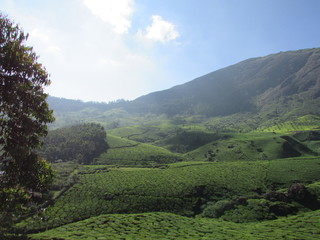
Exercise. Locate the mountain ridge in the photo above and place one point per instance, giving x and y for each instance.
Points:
(236, 87)
(284, 83)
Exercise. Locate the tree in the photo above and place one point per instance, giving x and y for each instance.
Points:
(82, 142)
(24, 114)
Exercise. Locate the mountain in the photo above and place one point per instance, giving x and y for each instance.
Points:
(221, 149)
(243, 87)
(284, 84)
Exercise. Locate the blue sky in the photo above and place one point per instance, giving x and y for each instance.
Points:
(103, 50)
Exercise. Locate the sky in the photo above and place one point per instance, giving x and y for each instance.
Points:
(105, 50)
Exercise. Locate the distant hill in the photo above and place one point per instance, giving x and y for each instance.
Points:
(70, 105)
(282, 84)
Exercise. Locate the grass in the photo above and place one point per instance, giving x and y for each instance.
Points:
(170, 226)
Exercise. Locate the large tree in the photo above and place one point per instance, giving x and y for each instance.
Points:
(24, 114)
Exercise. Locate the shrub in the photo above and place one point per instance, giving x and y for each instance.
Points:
(217, 209)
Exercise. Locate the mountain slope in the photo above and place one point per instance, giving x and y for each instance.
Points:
(272, 89)
(242, 87)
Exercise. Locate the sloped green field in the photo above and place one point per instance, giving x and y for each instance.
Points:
(170, 226)
(247, 146)
(304, 123)
(216, 139)
(293, 170)
(181, 188)
(127, 152)
(113, 200)
(146, 133)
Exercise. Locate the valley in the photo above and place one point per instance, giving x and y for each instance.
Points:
(230, 155)
(171, 179)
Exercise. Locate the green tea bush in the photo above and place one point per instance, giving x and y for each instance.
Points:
(217, 209)
(254, 210)
(170, 226)
(182, 188)
(128, 152)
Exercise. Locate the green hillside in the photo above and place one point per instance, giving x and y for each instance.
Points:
(128, 152)
(278, 87)
(254, 85)
(186, 188)
(233, 154)
(171, 226)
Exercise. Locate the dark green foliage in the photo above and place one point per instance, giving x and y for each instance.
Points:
(24, 114)
(254, 210)
(12, 207)
(264, 207)
(299, 193)
(83, 143)
(185, 141)
(217, 209)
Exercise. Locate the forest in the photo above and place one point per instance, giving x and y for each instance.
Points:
(81, 143)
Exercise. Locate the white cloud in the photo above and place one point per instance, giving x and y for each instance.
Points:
(43, 41)
(85, 55)
(115, 12)
(160, 30)
(37, 33)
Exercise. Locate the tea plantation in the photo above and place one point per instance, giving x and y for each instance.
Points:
(190, 181)
(185, 188)
(171, 226)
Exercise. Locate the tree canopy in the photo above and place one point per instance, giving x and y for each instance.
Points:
(24, 114)
(82, 143)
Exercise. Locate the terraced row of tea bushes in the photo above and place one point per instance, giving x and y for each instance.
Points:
(128, 152)
(305, 123)
(248, 146)
(145, 133)
(177, 138)
(239, 122)
(170, 226)
(119, 142)
(65, 176)
(178, 189)
(185, 140)
(284, 172)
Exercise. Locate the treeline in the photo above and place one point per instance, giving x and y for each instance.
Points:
(62, 105)
(82, 143)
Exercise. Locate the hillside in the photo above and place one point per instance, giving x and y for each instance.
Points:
(285, 84)
(243, 87)
(233, 154)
